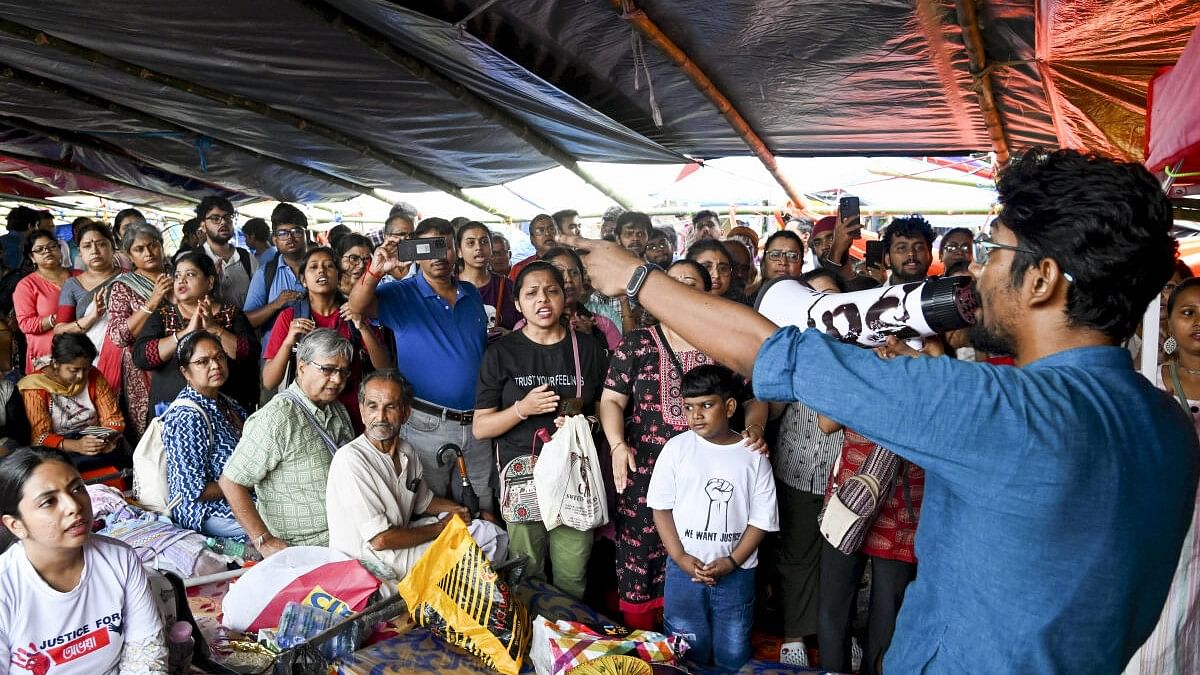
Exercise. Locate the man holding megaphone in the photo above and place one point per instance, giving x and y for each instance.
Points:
(1059, 492)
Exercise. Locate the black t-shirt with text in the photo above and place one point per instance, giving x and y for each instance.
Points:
(514, 365)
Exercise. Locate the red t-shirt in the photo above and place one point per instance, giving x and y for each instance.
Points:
(894, 532)
(349, 395)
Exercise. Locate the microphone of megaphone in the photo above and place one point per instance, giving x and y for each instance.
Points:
(905, 311)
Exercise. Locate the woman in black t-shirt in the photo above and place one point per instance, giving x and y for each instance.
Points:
(526, 378)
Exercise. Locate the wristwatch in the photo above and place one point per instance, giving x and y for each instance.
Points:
(637, 281)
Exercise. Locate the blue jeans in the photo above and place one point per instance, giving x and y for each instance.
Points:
(714, 620)
(426, 433)
(222, 527)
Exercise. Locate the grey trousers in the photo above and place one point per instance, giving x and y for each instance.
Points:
(427, 433)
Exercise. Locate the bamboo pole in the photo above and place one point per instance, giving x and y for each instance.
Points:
(366, 149)
(382, 45)
(676, 55)
(969, 20)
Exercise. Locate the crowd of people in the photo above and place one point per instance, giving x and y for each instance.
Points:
(307, 394)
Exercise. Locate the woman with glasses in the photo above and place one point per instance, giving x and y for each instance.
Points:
(324, 306)
(71, 407)
(581, 319)
(353, 253)
(640, 410)
(196, 306)
(200, 431)
(474, 265)
(35, 300)
(83, 303)
(133, 297)
(783, 256)
(715, 259)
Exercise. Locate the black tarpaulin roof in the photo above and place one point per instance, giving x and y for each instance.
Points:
(323, 100)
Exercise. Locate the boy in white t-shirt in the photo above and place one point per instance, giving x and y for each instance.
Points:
(713, 501)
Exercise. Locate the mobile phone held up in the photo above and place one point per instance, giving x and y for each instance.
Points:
(874, 257)
(849, 210)
(425, 248)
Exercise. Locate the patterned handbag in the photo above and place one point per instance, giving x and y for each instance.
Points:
(853, 505)
(518, 496)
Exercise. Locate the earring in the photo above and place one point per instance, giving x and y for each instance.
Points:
(1170, 345)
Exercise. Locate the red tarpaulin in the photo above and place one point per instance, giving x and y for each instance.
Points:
(1173, 117)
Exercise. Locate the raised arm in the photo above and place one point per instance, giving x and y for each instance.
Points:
(691, 313)
(362, 297)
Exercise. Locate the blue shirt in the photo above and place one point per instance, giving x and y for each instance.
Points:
(1057, 496)
(438, 347)
(266, 255)
(197, 447)
(259, 296)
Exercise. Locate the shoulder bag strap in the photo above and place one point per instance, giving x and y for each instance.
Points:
(192, 404)
(1179, 393)
(329, 444)
(671, 353)
(578, 369)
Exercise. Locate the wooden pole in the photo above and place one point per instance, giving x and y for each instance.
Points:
(968, 19)
(676, 55)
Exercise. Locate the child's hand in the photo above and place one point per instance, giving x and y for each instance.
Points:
(692, 567)
(719, 568)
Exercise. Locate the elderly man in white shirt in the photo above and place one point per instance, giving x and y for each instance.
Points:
(376, 499)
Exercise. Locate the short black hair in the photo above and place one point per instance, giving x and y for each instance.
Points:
(705, 277)
(337, 232)
(436, 225)
(214, 202)
(288, 214)
(352, 240)
(635, 219)
(126, 213)
(706, 213)
(560, 216)
(22, 219)
(32, 238)
(709, 380)
(910, 227)
(70, 346)
(257, 228)
(1105, 222)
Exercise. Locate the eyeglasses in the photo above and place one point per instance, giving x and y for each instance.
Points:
(790, 256)
(397, 235)
(984, 248)
(290, 233)
(208, 362)
(217, 219)
(354, 259)
(542, 231)
(330, 371)
(957, 248)
(501, 254)
(43, 250)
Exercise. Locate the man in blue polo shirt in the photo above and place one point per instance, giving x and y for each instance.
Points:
(441, 331)
(1058, 492)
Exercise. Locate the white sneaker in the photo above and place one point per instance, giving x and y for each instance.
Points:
(794, 654)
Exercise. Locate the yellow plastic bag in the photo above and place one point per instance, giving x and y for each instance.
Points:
(453, 591)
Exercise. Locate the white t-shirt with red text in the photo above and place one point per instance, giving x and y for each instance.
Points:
(82, 631)
(713, 492)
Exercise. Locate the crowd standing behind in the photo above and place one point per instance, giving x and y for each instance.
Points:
(372, 363)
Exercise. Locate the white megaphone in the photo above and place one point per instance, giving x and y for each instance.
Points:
(907, 311)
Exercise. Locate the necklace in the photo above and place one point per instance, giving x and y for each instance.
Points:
(1195, 372)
